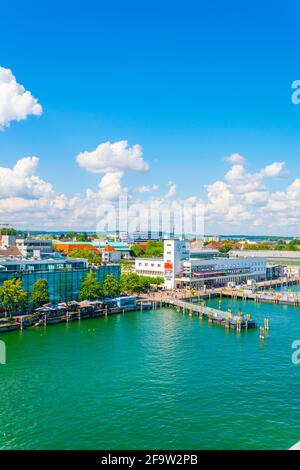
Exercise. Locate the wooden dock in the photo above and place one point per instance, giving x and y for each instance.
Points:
(227, 319)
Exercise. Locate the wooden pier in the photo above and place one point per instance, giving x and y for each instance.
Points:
(227, 319)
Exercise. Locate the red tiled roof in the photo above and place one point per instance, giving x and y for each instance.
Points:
(108, 248)
(11, 251)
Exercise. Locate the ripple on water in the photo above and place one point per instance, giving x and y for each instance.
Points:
(152, 380)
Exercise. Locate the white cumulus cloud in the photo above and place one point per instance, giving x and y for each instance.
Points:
(148, 188)
(110, 185)
(113, 159)
(235, 159)
(109, 157)
(240, 202)
(22, 181)
(16, 103)
(275, 170)
(171, 191)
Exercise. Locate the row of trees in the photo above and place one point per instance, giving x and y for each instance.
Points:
(8, 231)
(14, 299)
(90, 255)
(91, 288)
(153, 248)
(293, 245)
(79, 237)
(130, 283)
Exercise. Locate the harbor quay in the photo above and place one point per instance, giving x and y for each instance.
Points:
(189, 279)
(73, 311)
(192, 303)
(76, 311)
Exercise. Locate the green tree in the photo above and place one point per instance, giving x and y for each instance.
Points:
(225, 248)
(90, 288)
(12, 297)
(90, 255)
(154, 248)
(279, 247)
(70, 235)
(8, 231)
(296, 241)
(258, 246)
(40, 293)
(111, 286)
(132, 282)
(291, 247)
(136, 251)
(158, 280)
(282, 242)
(82, 237)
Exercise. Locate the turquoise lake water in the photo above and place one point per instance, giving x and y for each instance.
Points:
(152, 380)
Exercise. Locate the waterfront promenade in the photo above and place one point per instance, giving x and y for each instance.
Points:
(191, 301)
(261, 292)
(66, 313)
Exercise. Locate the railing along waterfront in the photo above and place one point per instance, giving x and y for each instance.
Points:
(286, 298)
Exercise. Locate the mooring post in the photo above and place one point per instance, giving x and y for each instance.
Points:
(262, 333)
(267, 324)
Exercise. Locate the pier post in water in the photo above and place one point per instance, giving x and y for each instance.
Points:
(267, 324)
(261, 333)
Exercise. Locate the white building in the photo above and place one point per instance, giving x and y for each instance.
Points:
(149, 266)
(197, 273)
(175, 252)
(180, 270)
(110, 255)
(7, 241)
(32, 247)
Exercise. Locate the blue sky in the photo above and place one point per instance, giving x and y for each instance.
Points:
(191, 82)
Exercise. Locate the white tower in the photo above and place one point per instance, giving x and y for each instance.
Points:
(175, 251)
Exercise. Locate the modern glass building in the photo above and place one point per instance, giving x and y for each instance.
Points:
(64, 276)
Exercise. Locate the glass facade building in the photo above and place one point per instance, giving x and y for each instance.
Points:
(64, 276)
